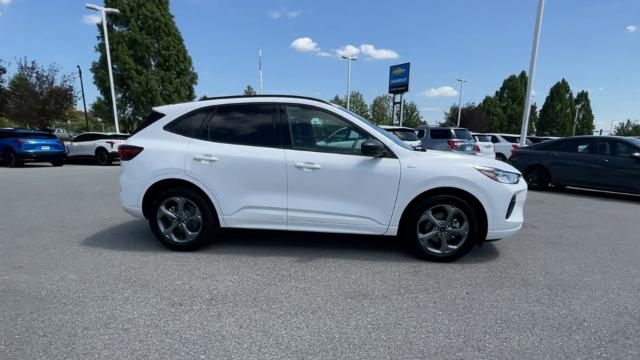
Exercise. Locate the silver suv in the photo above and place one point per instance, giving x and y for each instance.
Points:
(447, 139)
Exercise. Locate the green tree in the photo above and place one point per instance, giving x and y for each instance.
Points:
(38, 96)
(380, 110)
(473, 117)
(339, 101)
(585, 124)
(411, 115)
(248, 91)
(492, 109)
(556, 115)
(505, 108)
(627, 128)
(151, 65)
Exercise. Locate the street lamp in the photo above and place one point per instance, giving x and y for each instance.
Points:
(103, 12)
(349, 60)
(612, 123)
(84, 103)
(462, 81)
(575, 119)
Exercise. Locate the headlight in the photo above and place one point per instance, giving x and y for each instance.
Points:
(505, 177)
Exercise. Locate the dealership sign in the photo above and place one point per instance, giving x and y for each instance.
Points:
(399, 78)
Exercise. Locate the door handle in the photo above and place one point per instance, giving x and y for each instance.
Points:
(605, 160)
(308, 166)
(205, 158)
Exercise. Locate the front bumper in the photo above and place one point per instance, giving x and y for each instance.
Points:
(505, 223)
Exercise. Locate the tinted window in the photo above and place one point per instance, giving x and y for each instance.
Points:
(117, 137)
(440, 133)
(81, 137)
(35, 136)
(405, 135)
(583, 146)
(605, 148)
(511, 139)
(624, 149)
(191, 125)
(420, 133)
(317, 130)
(494, 139)
(483, 138)
(462, 134)
(250, 124)
(153, 117)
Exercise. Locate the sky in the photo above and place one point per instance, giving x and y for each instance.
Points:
(594, 44)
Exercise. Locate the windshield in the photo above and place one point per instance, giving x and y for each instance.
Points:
(405, 134)
(380, 130)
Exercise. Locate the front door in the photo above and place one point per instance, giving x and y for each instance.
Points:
(332, 187)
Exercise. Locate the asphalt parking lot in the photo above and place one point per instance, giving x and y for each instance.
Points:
(79, 278)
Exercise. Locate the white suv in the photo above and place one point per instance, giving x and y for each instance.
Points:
(103, 147)
(271, 162)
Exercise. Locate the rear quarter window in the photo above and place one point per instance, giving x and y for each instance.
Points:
(153, 117)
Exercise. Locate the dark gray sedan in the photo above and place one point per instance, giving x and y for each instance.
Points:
(596, 162)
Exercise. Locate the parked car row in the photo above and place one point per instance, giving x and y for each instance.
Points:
(18, 146)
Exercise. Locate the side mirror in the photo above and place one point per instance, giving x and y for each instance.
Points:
(373, 148)
(635, 155)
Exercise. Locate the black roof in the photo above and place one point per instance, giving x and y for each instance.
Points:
(265, 96)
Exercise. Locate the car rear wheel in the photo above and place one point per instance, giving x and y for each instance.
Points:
(182, 220)
(11, 159)
(501, 157)
(537, 178)
(442, 228)
(103, 158)
(58, 162)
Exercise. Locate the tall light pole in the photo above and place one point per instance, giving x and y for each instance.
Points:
(462, 81)
(349, 60)
(612, 123)
(260, 68)
(84, 102)
(103, 12)
(575, 119)
(532, 70)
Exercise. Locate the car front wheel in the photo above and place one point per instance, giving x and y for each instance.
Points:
(182, 220)
(537, 178)
(103, 158)
(442, 228)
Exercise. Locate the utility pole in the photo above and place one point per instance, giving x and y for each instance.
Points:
(462, 81)
(532, 70)
(260, 68)
(103, 11)
(84, 102)
(349, 60)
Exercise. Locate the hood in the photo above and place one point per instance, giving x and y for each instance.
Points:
(474, 160)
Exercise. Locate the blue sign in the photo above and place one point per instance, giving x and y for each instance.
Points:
(399, 78)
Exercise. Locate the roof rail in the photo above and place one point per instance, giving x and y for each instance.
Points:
(264, 96)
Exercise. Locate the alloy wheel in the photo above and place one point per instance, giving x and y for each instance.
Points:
(179, 219)
(442, 229)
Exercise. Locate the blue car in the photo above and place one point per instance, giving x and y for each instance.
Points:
(18, 146)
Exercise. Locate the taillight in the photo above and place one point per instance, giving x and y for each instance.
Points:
(476, 148)
(452, 144)
(514, 154)
(20, 142)
(515, 146)
(128, 152)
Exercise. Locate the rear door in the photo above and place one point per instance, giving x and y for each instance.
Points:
(237, 154)
(332, 187)
(575, 162)
(620, 171)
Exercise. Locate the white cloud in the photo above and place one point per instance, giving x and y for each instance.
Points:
(324, 54)
(4, 4)
(441, 91)
(276, 14)
(632, 28)
(92, 19)
(429, 109)
(305, 44)
(348, 51)
(378, 54)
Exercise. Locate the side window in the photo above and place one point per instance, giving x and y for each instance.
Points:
(80, 138)
(440, 134)
(605, 148)
(191, 125)
(494, 139)
(250, 124)
(317, 130)
(623, 149)
(420, 133)
(577, 146)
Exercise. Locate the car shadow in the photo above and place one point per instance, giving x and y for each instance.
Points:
(87, 161)
(597, 194)
(137, 237)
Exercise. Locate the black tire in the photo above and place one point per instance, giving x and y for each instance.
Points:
(58, 162)
(501, 157)
(208, 229)
(103, 158)
(11, 159)
(537, 178)
(413, 226)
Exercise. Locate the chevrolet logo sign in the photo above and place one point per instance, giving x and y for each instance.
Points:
(399, 71)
